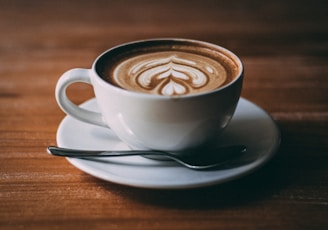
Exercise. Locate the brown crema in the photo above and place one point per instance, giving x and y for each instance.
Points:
(169, 68)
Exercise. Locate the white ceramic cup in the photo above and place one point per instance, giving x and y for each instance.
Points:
(148, 121)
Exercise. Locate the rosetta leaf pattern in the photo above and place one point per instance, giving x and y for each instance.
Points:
(170, 76)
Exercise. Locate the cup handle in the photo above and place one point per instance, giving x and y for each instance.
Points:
(68, 78)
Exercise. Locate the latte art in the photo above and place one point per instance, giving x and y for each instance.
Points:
(171, 76)
(170, 73)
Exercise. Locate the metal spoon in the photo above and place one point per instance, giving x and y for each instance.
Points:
(210, 159)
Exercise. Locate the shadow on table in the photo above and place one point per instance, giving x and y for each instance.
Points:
(300, 161)
(264, 183)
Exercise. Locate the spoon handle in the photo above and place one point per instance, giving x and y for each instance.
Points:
(190, 161)
(66, 152)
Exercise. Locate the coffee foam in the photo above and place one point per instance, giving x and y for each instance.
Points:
(169, 70)
(170, 73)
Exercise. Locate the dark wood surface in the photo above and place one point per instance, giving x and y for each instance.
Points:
(284, 46)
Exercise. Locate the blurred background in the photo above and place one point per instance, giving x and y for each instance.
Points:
(269, 36)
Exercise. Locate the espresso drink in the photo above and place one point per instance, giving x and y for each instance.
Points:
(169, 68)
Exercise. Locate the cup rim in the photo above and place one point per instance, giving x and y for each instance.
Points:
(227, 52)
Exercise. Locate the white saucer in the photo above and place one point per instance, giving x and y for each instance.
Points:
(250, 126)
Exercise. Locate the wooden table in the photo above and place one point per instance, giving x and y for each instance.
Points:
(284, 46)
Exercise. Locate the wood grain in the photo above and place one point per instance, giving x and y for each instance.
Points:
(284, 47)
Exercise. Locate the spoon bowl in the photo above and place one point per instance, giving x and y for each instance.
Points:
(208, 160)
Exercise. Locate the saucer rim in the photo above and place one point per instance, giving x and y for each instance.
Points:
(240, 170)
